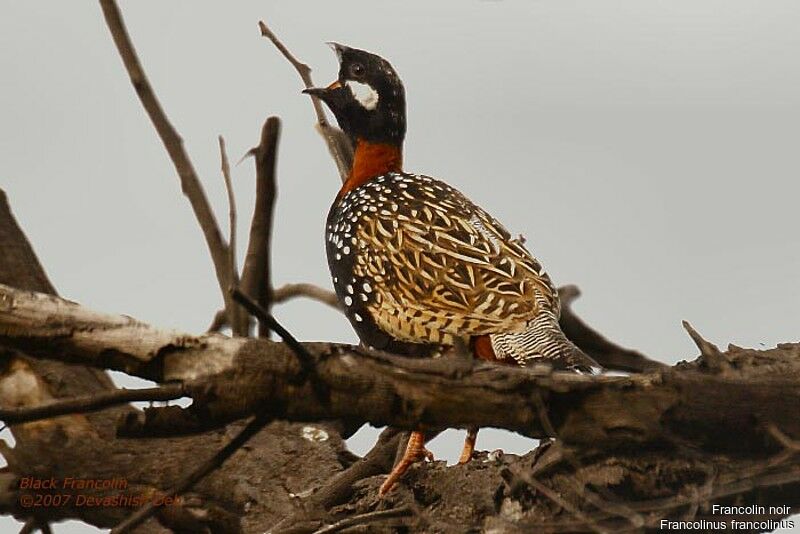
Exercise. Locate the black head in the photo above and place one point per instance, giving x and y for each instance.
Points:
(368, 99)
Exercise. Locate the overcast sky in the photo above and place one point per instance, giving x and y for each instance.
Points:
(648, 150)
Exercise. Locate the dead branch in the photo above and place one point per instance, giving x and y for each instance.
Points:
(88, 403)
(379, 460)
(712, 357)
(197, 474)
(225, 167)
(172, 141)
(305, 357)
(783, 439)
(86, 446)
(219, 322)
(290, 291)
(256, 274)
(338, 145)
(240, 325)
(232, 378)
(19, 266)
(610, 355)
(511, 474)
(664, 443)
(33, 524)
(577, 414)
(365, 519)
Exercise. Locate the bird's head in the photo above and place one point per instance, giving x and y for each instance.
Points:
(368, 99)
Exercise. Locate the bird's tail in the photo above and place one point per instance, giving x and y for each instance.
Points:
(543, 342)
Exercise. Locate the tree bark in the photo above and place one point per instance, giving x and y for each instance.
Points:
(252, 491)
(630, 450)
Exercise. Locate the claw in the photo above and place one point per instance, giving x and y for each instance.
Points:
(415, 452)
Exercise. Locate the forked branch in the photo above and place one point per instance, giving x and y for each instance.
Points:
(338, 145)
(172, 141)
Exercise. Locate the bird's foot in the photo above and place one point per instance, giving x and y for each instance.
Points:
(415, 452)
(469, 446)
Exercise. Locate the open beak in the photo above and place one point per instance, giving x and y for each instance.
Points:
(322, 92)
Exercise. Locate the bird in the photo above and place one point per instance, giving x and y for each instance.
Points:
(416, 265)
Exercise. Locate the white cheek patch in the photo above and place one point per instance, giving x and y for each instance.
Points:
(364, 93)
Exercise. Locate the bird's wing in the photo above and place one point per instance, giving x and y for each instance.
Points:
(447, 268)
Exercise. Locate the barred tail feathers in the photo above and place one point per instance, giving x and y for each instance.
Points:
(543, 342)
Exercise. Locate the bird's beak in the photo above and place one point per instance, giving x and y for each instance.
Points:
(322, 92)
(339, 49)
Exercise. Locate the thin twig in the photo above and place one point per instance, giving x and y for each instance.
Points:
(30, 526)
(219, 322)
(240, 322)
(311, 291)
(710, 352)
(623, 511)
(33, 524)
(91, 403)
(333, 141)
(787, 442)
(302, 69)
(225, 167)
(173, 143)
(305, 357)
(658, 508)
(365, 519)
(379, 460)
(257, 270)
(558, 500)
(281, 295)
(198, 474)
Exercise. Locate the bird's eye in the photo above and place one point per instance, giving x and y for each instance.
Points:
(356, 70)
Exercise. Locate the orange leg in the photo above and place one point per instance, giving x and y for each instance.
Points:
(469, 445)
(483, 350)
(415, 451)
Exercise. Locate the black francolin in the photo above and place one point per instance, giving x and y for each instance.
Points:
(414, 262)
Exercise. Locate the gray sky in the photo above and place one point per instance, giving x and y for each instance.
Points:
(647, 150)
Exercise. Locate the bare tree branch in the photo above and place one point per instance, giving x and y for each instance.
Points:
(88, 403)
(665, 432)
(338, 145)
(200, 472)
(609, 355)
(305, 357)
(789, 443)
(232, 378)
(511, 474)
(365, 519)
(311, 291)
(33, 524)
(712, 357)
(20, 267)
(240, 322)
(379, 460)
(219, 322)
(190, 183)
(225, 167)
(257, 271)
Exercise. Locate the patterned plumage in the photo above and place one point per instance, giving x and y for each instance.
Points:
(415, 263)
